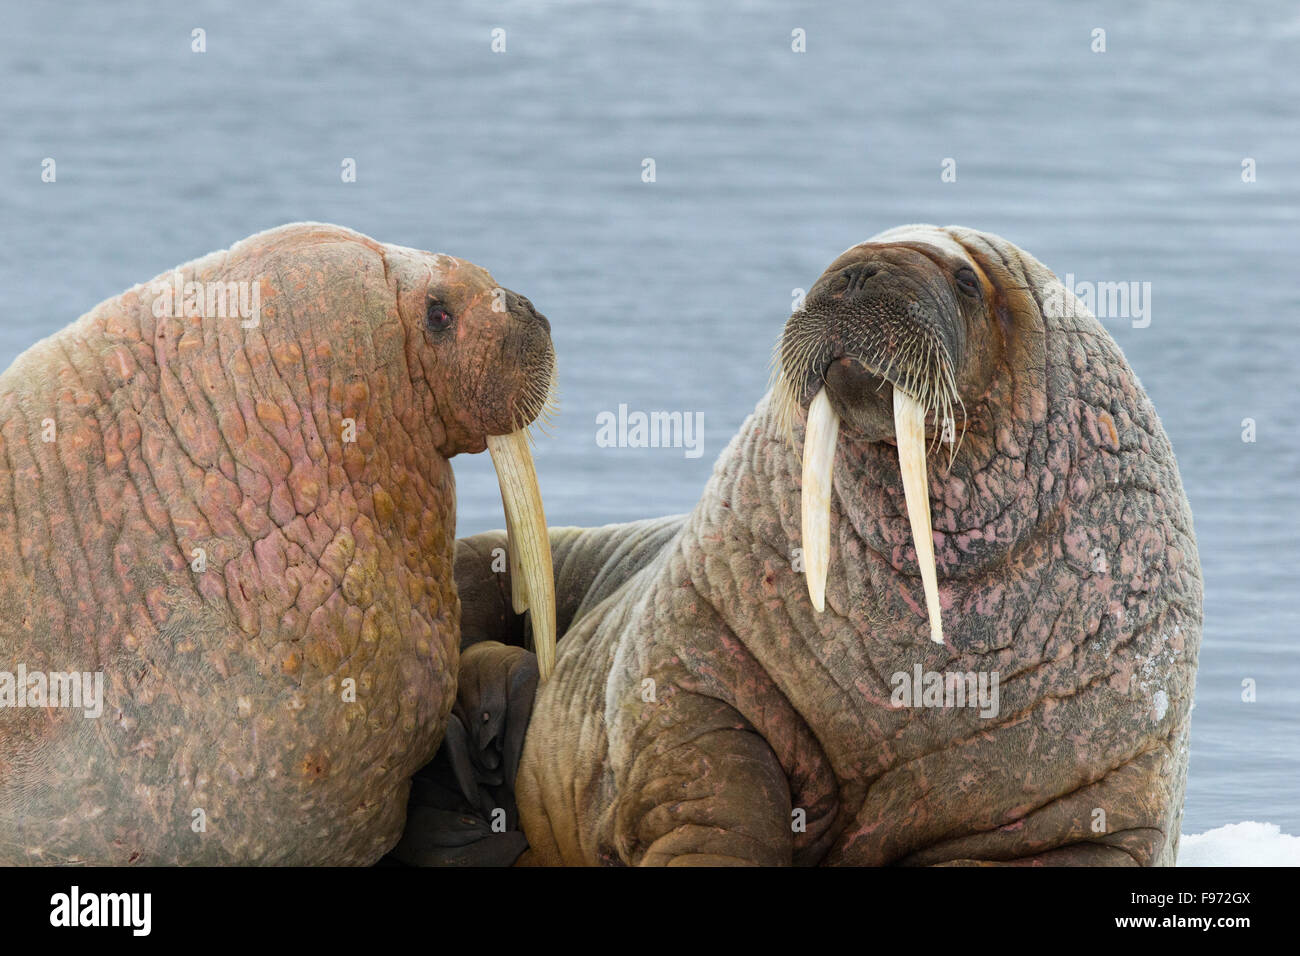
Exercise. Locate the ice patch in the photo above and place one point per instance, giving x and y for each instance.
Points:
(1240, 844)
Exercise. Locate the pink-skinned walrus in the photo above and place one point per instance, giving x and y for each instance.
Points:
(226, 503)
(940, 602)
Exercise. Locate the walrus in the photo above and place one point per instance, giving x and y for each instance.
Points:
(227, 496)
(955, 485)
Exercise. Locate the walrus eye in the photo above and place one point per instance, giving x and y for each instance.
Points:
(967, 282)
(437, 318)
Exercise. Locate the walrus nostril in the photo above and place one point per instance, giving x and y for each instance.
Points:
(523, 304)
(856, 277)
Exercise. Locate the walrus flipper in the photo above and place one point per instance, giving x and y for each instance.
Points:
(462, 808)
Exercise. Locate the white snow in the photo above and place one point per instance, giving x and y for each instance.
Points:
(1240, 844)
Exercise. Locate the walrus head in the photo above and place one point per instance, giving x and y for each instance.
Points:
(484, 354)
(483, 350)
(896, 341)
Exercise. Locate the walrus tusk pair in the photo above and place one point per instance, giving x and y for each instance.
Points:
(532, 578)
(818, 467)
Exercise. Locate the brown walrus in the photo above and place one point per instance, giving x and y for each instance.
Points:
(711, 704)
(228, 493)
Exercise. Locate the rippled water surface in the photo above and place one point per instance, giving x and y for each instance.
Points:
(1124, 165)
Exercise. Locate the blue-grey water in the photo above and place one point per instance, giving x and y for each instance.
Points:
(1123, 165)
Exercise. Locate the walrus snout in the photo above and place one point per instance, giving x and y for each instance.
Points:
(523, 309)
(533, 382)
(542, 320)
(855, 277)
(894, 310)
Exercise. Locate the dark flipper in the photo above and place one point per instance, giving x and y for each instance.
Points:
(462, 810)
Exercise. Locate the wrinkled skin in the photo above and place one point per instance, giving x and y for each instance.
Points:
(702, 712)
(228, 690)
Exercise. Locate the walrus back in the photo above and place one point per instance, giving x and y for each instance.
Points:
(149, 534)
